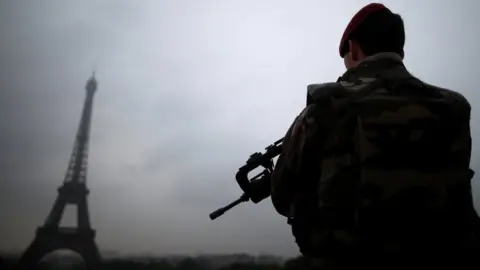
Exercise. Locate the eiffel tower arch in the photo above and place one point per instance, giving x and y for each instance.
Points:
(81, 239)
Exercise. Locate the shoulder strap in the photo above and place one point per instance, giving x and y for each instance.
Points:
(324, 94)
(316, 93)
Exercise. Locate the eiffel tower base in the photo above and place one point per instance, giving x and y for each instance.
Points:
(50, 239)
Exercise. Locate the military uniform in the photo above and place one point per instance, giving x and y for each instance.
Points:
(360, 160)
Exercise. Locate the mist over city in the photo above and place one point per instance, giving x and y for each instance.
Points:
(186, 91)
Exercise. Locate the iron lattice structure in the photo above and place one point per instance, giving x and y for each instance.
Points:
(73, 191)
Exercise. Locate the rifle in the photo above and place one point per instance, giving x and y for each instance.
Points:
(258, 187)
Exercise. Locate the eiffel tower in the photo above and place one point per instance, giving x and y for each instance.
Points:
(81, 239)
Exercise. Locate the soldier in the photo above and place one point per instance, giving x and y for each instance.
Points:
(376, 167)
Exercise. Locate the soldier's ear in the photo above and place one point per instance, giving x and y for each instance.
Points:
(354, 53)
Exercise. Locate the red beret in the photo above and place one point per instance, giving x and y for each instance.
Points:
(361, 15)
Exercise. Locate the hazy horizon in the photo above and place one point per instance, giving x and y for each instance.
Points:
(187, 91)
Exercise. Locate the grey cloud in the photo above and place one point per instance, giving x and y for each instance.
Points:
(187, 91)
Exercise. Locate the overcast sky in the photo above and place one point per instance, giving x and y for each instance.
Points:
(187, 91)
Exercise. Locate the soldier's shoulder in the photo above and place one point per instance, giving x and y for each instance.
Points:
(322, 91)
(449, 95)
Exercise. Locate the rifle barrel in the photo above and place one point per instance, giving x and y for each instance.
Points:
(219, 212)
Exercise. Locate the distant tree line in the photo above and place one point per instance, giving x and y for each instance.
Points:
(184, 264)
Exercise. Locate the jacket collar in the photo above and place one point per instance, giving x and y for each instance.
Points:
(376, 62)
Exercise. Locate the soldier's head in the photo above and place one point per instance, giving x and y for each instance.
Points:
(374, 29)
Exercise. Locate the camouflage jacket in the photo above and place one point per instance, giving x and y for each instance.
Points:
(298, 165)
(303, 160)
